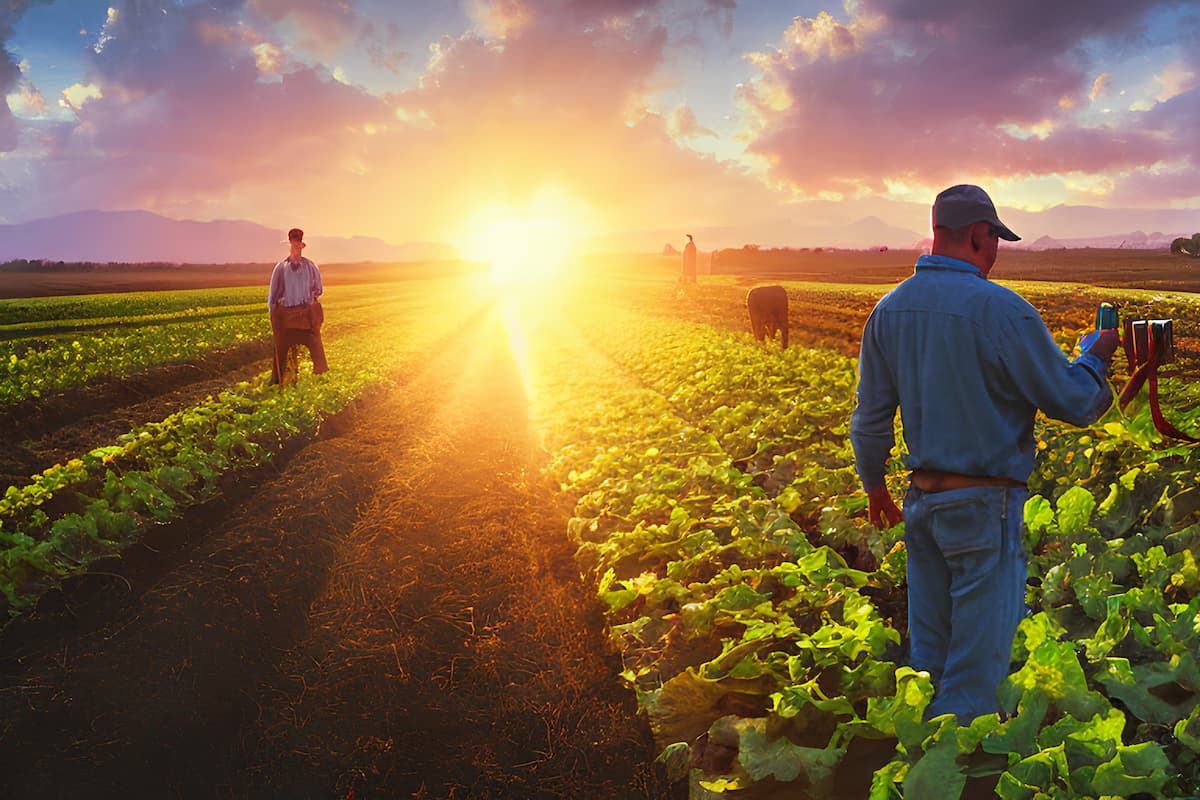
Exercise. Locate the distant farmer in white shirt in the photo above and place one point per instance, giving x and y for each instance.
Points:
(296, 314)
(689, 261)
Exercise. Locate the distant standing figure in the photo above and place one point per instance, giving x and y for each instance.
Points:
(296, 313)
(768, 306)
(689, 261)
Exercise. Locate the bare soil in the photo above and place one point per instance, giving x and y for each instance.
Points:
(1127, 269)
(391, 611)
(37, 434)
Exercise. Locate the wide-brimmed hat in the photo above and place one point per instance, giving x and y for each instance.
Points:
(964, 204)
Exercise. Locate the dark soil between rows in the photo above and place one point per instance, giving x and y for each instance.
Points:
(37, 434)
(394, 612)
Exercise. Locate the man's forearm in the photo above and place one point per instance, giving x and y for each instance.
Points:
(871, 453)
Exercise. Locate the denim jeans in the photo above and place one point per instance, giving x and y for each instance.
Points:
(966, 592)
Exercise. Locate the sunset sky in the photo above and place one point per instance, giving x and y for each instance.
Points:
(626, 122)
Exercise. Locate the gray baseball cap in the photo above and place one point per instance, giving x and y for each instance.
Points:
(964, 204)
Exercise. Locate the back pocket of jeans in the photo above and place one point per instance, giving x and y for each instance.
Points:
(962, 527)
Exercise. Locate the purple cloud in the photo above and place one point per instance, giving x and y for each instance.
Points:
(924, 92)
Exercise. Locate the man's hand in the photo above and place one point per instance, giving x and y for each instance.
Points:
(882, 510)
(1105, 344)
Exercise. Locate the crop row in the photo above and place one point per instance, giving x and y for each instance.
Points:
(97, 504)
(35, 362)
(740, 624)
(39, 367)
(72, 309)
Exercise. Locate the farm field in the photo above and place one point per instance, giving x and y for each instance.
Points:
(369, 585)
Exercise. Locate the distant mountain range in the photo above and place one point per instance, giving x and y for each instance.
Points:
(140, 237)
(867, 232)
(872, 232)
(1137, 240)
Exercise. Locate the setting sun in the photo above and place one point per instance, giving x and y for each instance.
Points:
(522, 249)
(533, 242)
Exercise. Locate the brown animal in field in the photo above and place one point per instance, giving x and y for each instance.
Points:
(768, 306)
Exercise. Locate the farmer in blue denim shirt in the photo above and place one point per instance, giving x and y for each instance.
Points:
(969, 363)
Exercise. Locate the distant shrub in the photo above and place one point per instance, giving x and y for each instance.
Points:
(1187, 247)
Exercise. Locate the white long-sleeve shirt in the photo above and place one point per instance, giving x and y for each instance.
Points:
(295, 284)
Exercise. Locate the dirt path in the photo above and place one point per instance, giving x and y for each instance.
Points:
(395, 613)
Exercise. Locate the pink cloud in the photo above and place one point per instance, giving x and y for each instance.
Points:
(183, 115)
(324, 25)
(683, 125)
(189, 123)
(558, 101)
(923, 92)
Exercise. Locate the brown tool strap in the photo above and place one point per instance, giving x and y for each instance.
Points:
(1147, 373)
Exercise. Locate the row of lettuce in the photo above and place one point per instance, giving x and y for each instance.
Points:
(94, 506)
(44, 351)
(49, 345)
(717, 509)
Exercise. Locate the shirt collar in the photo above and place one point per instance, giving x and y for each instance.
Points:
(945, 262)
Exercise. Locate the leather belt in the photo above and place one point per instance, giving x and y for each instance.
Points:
(934, 480)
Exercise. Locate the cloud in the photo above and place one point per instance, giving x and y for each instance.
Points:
(1175, 79)
(683, 125)
(174, 114)
(213, 111)
(27, 101)
(75, 95)
(1100, 87)
(268, 58)
(560, 100)
(10, 73)
(925, 92)
(499, 18)
(324, 25)
(387, 58)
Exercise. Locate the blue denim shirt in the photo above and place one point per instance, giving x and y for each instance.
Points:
(969, 363)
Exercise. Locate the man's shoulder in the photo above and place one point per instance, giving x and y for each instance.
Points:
(959, 289)
(1005, 300)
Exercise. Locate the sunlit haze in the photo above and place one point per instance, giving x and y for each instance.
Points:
(797, 123)
(533, 242)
